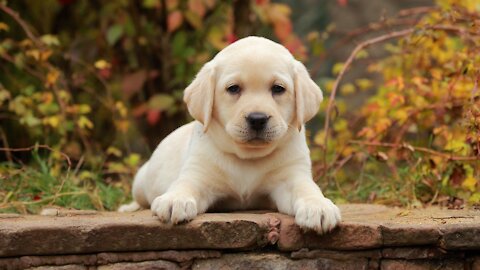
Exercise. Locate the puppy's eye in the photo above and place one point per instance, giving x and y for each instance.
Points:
(277, 89)
(233, 89)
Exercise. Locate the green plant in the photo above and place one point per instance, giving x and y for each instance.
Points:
(417, 136)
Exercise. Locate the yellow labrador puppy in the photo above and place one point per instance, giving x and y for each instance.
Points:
(247, 147)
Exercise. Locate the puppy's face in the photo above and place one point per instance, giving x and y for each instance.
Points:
(256, 91)
(254, 96)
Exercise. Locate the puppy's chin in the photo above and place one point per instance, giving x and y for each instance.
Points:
(254, 143)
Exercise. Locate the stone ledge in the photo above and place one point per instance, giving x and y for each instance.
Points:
(364, 227)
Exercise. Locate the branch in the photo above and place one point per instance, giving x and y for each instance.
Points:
(22, 23)
(26, 149)
(418, 149)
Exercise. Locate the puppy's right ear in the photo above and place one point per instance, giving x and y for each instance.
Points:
(199, 95)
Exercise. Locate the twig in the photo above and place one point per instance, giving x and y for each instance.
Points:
(22, 24)
(416, 11)
(418, 149)
(25, 149)
(5, 143)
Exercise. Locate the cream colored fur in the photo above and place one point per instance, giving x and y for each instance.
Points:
(213, 162)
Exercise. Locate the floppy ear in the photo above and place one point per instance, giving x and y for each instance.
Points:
(199, 95)
(307, 95)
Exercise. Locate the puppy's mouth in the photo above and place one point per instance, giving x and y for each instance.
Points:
(256, 139)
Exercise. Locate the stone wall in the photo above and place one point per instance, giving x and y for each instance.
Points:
(370, 237)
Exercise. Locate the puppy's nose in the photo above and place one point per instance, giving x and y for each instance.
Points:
(257, 120)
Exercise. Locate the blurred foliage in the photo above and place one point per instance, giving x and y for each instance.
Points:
(86, 87)
(100, 82)
(416, 139)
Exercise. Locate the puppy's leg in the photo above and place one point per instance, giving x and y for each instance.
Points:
(183, 201)
(131, 207)
(302, 198)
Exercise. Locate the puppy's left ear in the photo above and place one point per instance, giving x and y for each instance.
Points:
(199, 95)
(307, 95)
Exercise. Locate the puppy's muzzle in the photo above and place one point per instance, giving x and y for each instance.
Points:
(257, 121)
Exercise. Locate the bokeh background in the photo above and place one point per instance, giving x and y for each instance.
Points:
(89, 88)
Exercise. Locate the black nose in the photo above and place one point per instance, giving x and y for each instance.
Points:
(257, 120)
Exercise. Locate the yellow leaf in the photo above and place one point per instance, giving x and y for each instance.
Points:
(122, 125)
(35, 54)
(50, 40)
(84, 122)
(84, 108)
(53, 121)
(436, 73)
(52, 78)
(4, 27)
(347, 89)
(382, 124)
(475, 198)
(337, 68)
(470, 183)
(340, 125)
(121, 108)
(114, 151)
(361, 54)
(401, 115)
(102, 64)
(364, 84)
(319, 138)
(132, 160)
(44, 55)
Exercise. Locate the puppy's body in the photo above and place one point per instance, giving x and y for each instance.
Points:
(247, 149)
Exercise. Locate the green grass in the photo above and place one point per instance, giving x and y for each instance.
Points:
(27, 189)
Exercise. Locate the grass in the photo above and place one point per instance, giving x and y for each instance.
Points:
(27, 189)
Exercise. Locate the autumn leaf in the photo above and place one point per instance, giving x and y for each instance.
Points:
(114, 33)
(84, 122)
(102, 64)
(52, 78)
(111, 150)
(197, 7)
(470, 183)
(175, 20)
(160, 102)
(153, 116)
(4, 27)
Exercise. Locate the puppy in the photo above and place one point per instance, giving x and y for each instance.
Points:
(247, 147)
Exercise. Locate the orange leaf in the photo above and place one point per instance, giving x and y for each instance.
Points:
(153, 116)
(175, 20)
(197, 7)
(283, 29)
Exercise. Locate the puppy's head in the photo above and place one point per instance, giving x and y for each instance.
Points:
(255, 90)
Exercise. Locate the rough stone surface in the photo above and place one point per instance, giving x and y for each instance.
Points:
(170, 255)
(421, 265)
(276, 261)
(63, 267)
(461, 236)
(337, 255)
(45, 235)
(148, 265)
(370, 237)
(413, 253)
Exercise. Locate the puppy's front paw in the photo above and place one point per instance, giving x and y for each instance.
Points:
(174, 208)
(319, 214)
